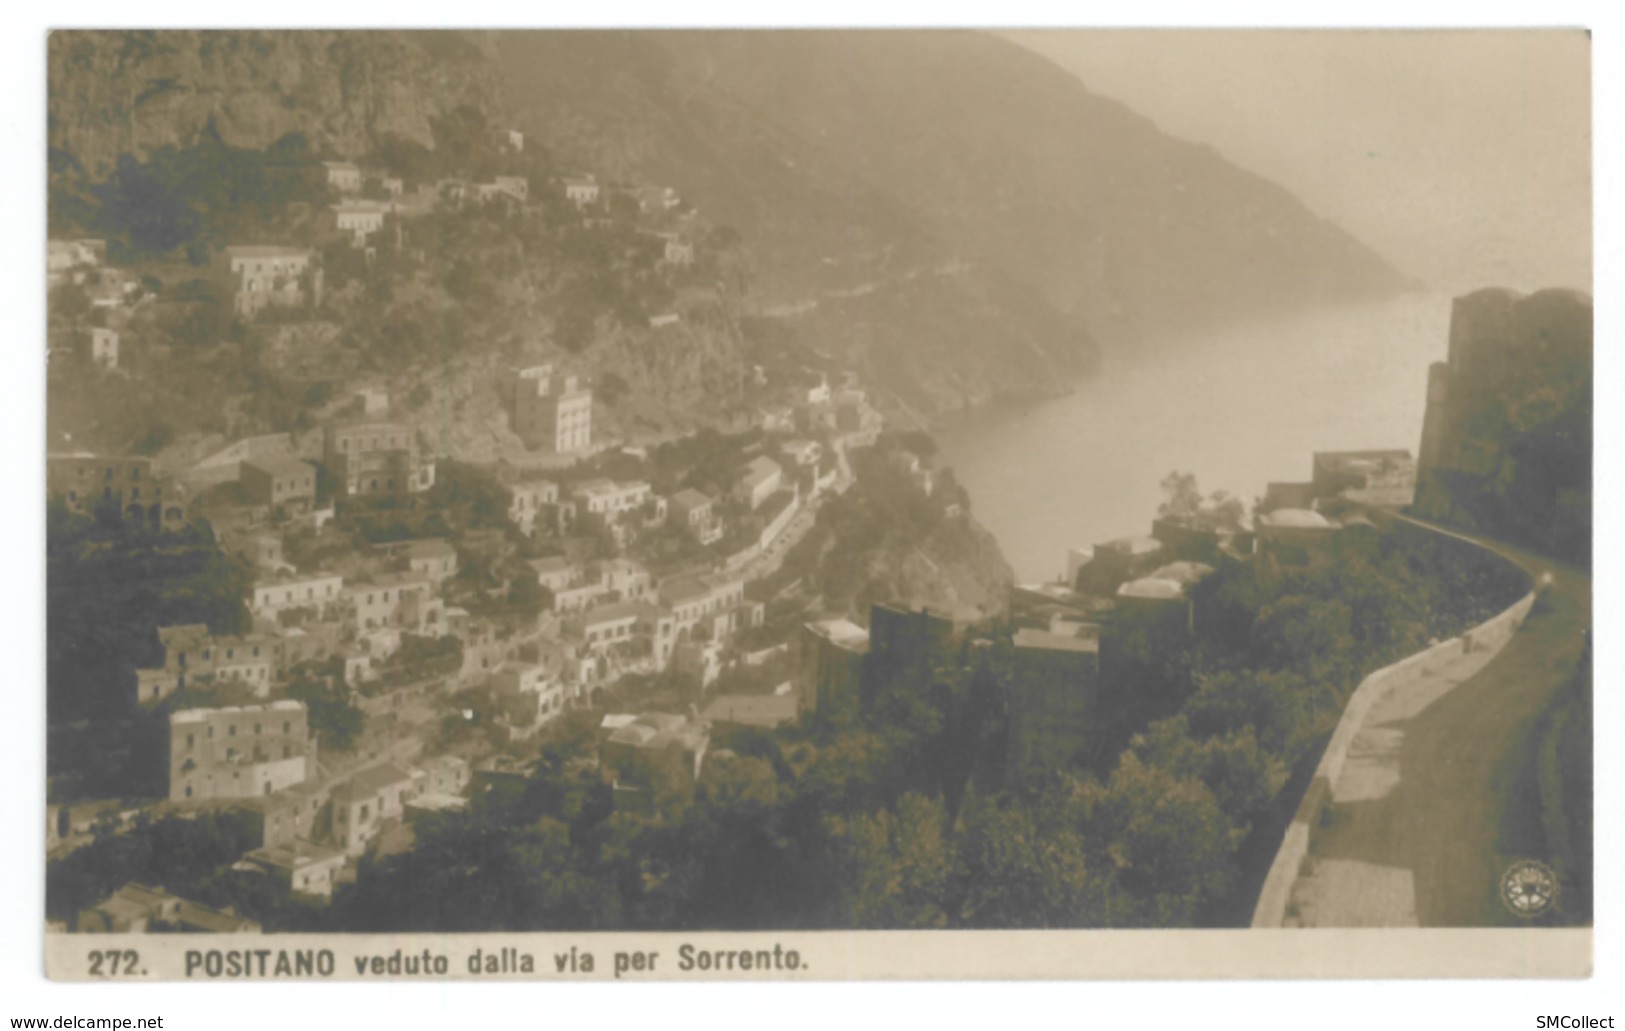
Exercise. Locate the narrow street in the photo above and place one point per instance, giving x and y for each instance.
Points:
(769, 561)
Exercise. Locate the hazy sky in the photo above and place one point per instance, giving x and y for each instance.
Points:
(1462, 157)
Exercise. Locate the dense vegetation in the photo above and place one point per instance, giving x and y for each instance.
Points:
(901, 813)
(108, 587)
(190, 856)
(851, 556)
(193, 200)
(898, 816)
(1519, 418)
(453, 284)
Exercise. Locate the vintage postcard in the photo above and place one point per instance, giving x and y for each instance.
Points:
(630, 505)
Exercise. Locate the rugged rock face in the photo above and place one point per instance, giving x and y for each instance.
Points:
(692, 366)
(1506, 444)
(114, 93)
(887, 540)
(674, 377)
(957, 570)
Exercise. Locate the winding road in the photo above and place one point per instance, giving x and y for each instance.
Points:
(1431, 814)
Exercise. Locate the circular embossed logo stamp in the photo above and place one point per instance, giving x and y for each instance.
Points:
(1529, 888)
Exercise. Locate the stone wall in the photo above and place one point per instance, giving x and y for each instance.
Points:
(1407, 673)
(1506, 440)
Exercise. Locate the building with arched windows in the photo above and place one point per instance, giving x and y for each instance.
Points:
(84, 482)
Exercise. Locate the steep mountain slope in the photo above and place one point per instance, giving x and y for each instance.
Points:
(872, 281)
(952, 216)
(118, 93)
(843, 154)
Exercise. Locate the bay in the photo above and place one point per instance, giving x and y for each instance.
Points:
(1239, 407)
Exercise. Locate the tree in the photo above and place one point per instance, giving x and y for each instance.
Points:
(1303, 633)
(466, 133)
(623, 207)
(1182, 501)
(610, 388)
(920, 443)
(891, 868)
(740, 782)
(1012, 871)
(408, 159)
(175, 853)
(68, 303)
(1232, 767)
(1270, 705)
(109, 586)
(336, 722)
(458, 483)
(467, 874)
(1180, 497)
(153, 215)
(575, 325)
(433, 654)
(202, 195)
(1165, 839)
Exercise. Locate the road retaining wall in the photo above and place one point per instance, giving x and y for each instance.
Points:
(1405, 674)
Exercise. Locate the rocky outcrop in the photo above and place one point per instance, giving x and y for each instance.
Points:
(115, 93)
(692, 365)
(1506, 442)
(887, 541)
(957, 570)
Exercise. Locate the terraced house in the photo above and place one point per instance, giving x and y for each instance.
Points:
(286, 485)
(83, 481)
(260, 277)
(195, 658)
(375, 458)
(239, 751)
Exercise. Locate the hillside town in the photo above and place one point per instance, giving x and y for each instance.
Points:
(455, 526)
(617, 581)
(642, 619)
(421, 629)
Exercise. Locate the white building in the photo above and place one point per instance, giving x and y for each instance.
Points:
(104, 347)
(360, 218)
(313, 590)
(610, 500)
(759, 480)
(581, 190)
(343, 176)
(529, 500)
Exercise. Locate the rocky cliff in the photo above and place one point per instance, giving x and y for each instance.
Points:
(957, 570)
(888, 540)
(1506, 443)
(115, 93)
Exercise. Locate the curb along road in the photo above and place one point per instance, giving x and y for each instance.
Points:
(1420, 824)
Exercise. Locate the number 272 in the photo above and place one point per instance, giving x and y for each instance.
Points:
(116, 961)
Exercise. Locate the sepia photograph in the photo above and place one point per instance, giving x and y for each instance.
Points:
(831, 504)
